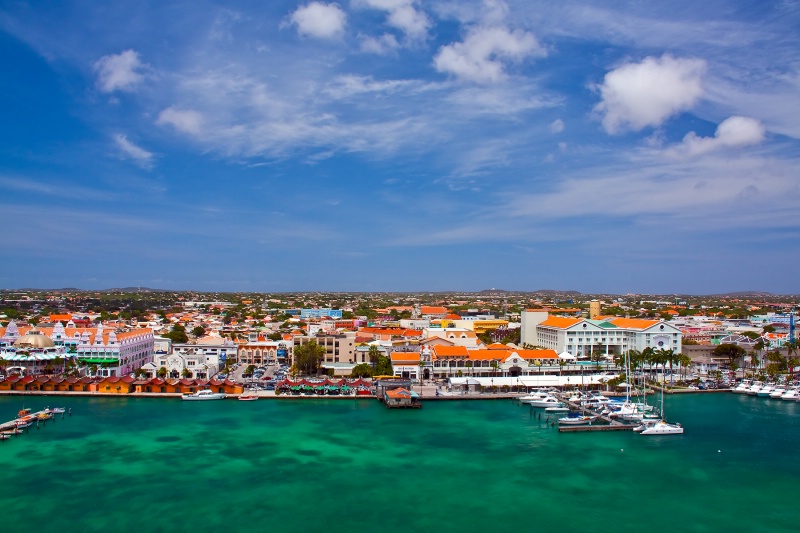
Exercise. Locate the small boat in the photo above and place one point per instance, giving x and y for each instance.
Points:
(56, 410)
(646, 423)
(557, 409)
(576, 420)
(248, 396)
(204, 394)
(24, 422)
(45, 415)
(23, 412)
(4, 436)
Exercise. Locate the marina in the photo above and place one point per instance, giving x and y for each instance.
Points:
(134, 453)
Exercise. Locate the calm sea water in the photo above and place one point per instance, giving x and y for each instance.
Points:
(127, 464)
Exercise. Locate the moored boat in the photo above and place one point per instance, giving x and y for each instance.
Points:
(662, 428)
(204, 394)
(248, 396)
(578, 420)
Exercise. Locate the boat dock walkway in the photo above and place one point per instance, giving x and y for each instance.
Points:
(38, 419)
(609, 423)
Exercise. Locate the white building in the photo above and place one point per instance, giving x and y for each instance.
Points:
(613, 336)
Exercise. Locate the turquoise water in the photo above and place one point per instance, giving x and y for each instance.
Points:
(129, 464)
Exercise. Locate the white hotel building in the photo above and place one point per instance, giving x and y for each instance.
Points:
(580, 336)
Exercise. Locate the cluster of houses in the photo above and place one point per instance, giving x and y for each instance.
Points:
(431, 343)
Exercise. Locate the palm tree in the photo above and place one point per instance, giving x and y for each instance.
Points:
(374, 353)
(468, 364)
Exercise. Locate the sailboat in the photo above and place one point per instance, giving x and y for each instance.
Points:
(660, 427)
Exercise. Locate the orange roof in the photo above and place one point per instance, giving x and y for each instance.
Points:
(452, 316)
(633, 323)
(489, 355)
(537, 354)
(410, 357)
(398, 393)
(449, 351)
(433, 310)
(497, 346)
(60, 318)
(561, 322)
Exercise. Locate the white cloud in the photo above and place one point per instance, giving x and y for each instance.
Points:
(379, 45)
(638, 95)
(482, 56)
(557, 126)
(140, 155)
(317, 19)
(403, 15)
(187, 121)
(734, 132)
(119, 72)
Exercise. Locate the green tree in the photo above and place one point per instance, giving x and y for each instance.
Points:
(308, 356)
(198, 331)
(186, 373)
(731, 352)
(384, 366)
(373, 354)
(178, 334)
(162, 372)
(363, 370)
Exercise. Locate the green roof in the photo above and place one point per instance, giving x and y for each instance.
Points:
(602, 324)
(98, 360)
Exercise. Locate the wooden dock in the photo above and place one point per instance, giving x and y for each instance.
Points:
(39, 419)
(608, 423)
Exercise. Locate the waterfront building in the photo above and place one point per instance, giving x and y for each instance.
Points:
(495, 360)
(259, 350)
(115, 352)
(339, 350)
(612, 335)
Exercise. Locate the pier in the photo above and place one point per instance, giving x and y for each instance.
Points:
(35, 419)
(609, 424)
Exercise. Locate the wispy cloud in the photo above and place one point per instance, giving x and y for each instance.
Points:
(141, 156)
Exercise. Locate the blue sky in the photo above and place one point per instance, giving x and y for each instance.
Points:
(401, 145)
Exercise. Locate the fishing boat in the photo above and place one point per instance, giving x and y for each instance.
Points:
(56, 410)
(547, 401)
(204, 394)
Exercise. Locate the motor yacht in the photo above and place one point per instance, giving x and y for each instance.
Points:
(791, 394)
(777, 392)
(742, 387)
(754, 388)
(547, 401)
(765, 391)
(204, 394)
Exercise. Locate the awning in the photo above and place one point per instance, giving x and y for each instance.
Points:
(566, 355)
(98, 360)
